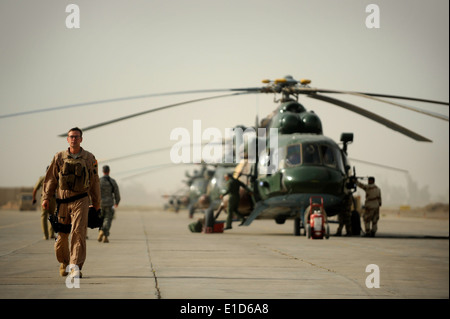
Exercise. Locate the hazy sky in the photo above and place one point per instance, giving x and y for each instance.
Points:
(126, 48)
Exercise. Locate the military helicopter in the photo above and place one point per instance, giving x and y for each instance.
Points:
(306, 163)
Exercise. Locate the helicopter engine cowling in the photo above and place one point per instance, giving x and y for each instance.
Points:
(311, 123)
(305, 122)
(289, 123)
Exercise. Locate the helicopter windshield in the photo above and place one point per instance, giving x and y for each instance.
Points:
(310, 154)
(293, 155)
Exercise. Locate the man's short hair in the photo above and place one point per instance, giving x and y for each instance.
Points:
(75, 129)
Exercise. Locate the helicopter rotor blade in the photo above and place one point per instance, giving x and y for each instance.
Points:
(155, 110)
(127, 98)
(375, 97)
(155, 150)
(438, 116)
(405, 98)
(371, 116)
(379, 165)
(308, 90)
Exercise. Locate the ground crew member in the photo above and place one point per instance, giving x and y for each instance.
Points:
(110, 197)
(73, 174)
(345, 218)
(371, 206)
(47, 230)
(232, 188)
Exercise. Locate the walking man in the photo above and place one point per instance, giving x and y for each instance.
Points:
(110, 197)
(73, 174)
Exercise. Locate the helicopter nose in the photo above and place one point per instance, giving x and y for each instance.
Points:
(312, 179)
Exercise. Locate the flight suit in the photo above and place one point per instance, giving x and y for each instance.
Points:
(46, 229)
(371, 207)
(71, 175)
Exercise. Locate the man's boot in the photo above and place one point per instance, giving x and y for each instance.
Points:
(62, 270)
(100, 235)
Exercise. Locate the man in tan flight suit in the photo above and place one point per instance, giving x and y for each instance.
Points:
(73, 174)
(371, 206)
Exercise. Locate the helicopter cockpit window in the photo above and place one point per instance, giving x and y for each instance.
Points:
(331, 157)
(311, 154)
(328, 156)
(293, 155)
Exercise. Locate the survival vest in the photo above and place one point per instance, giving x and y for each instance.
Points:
(74, 175)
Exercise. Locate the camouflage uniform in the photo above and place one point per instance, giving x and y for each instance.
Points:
(371, 207)
(110, 196)
(232, 188)
(344, 218)
(46, 229)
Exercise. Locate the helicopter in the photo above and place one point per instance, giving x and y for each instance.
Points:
(305, 163)
(308, 164)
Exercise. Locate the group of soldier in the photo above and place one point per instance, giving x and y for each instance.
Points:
(371, 213)
(370, 216)
(70, 188)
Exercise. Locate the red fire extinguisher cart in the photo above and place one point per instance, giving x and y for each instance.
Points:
(317, 227)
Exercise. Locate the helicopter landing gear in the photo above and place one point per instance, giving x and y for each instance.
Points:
(297, 223)
(298, 226)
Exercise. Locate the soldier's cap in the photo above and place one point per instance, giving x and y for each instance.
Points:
(106, 168)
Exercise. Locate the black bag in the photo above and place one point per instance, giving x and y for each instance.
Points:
(95, 218)
(57, 226)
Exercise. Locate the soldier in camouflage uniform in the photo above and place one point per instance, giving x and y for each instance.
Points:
(344, 218)
(371, 206)
(232, 188)
(110, 198)
(47, 229)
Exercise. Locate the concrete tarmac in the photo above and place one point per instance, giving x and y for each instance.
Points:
(153, 255)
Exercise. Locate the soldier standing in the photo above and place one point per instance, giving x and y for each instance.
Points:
(371, 206)
(344, 218)
(110, 197)
(232, 187)
(47, 230)
(73, 175)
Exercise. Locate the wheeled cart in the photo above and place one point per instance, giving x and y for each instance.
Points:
(317, 224)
